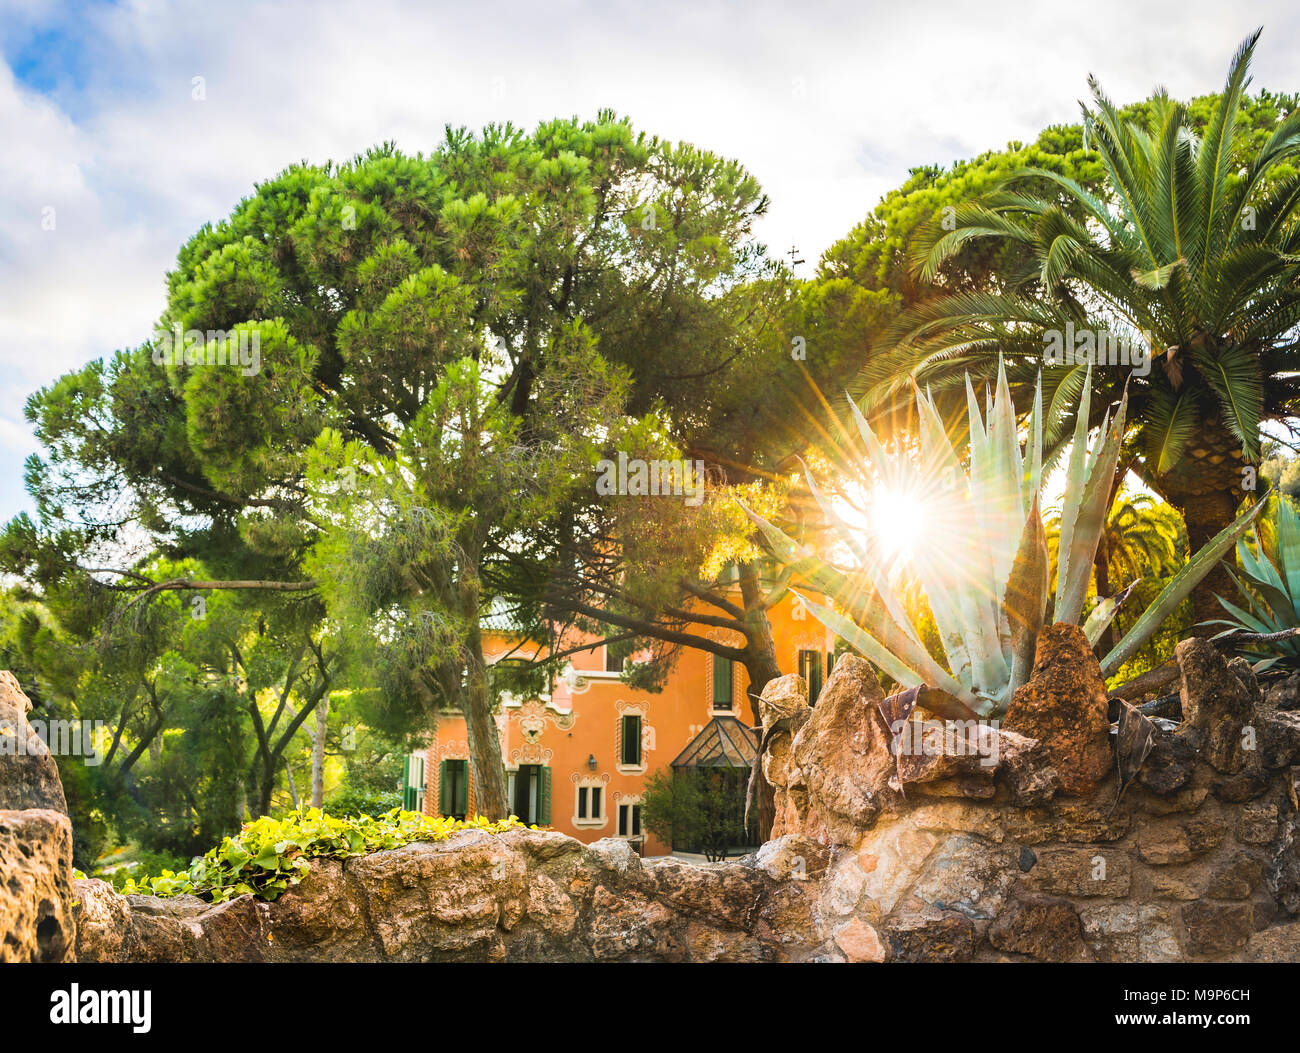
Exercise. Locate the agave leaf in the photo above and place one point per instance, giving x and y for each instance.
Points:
(1090, 521)
(1288, 546)
(1243, 619)
(823, 576)
(1034, 458)
(1270, 600)
(1179, 587)
(989, 544)
(1102, 614)
(906, 651)
(1263, 573)
(953, 632)
(944, 705)
(875, 452)
(1026, 595)
(949, 619)
(907, 669)
(1005, 515)
(937, 454)
(1074, 483)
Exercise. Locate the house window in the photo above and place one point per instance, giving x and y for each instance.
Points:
(612, 664)
(810, 668)
(723, 671)
(629, 820)
(590, 807)
(413, 783)
(453, 788)
(529, 789)
(630, 750)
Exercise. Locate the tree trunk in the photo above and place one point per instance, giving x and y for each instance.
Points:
(485, 763)
(318, 753)
(293, 787)
(761, 665)
(265, 788)
(486, 766)
(1205, 516)
(1206, 487)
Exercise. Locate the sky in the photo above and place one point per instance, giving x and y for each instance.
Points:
(115, 153)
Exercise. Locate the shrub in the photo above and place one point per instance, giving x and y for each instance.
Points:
(360, 800)
(270, 855)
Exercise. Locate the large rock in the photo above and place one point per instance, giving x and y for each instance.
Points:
(1217, 703)
(841, 760)
(29, 777)
(1063, 706)
(1041, 927)
(36, 910)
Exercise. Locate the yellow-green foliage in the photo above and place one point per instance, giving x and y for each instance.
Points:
(270, 855)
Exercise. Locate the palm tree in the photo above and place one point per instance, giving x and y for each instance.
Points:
(1142, 536)
(1190, 248)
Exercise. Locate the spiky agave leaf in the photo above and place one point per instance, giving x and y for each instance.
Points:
(1104, 613)
(1271, 606)
(1179, 588)
(912, 673)
(1088, 519)
(1027, 595)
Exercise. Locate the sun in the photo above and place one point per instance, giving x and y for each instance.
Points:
(898, 521)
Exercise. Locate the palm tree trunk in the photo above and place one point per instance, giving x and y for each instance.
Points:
(1206, 487)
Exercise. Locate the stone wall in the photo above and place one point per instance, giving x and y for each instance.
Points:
(952, 854)
(36, 908)
(525, 895)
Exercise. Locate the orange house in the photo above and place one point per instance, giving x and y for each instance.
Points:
(577, 759)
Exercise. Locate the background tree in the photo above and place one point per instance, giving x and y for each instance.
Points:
(367, 286)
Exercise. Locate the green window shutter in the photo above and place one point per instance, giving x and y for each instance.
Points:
(810, 668)
(722, 674)
(544, 797)
(631, 740)
(408, 794)
(444, 788)
(460, 805)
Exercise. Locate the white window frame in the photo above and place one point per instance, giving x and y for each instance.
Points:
(630, 803)
(591, 821)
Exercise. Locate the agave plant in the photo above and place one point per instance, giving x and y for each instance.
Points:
(987, 579)
(1271, 589)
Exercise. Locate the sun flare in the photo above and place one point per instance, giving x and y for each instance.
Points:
(898, 521)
